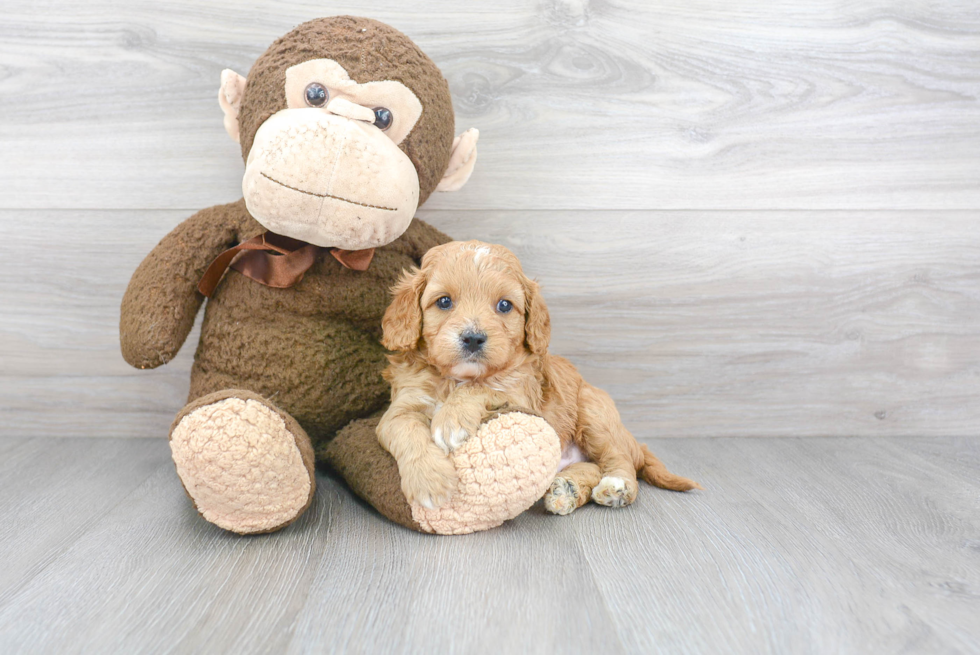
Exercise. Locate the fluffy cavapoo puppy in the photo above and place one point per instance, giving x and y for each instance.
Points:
(470, 336)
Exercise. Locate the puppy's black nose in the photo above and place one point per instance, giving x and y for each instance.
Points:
(473, 341)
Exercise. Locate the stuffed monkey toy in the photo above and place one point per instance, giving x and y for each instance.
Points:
(346, 127)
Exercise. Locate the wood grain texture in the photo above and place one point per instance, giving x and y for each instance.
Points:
(603, 104)
(797, 545)
(650, 163)
(697, 323)
(761, 324)
(53, 490)
(814, 546)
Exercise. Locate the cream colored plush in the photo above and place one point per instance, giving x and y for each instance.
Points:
(502, 470)
(241, 465)
(358, 190)
(462, 161)
(326, 174)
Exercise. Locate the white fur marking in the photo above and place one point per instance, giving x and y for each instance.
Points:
(457, 437)
(481, 252)
(440, 441)
(611, 492)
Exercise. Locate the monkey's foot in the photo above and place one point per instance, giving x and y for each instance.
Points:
(247, 466)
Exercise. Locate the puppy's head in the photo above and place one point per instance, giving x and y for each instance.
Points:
(469, 310)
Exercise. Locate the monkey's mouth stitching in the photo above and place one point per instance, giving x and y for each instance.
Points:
(327, 195)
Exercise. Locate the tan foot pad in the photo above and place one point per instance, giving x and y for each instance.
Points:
(241, 465)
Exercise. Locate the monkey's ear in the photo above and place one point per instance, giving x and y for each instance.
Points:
(402, 322)
(461, 162)
(230, 99)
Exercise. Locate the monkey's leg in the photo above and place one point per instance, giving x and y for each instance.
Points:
(572, 488)
(372, 473)
(246, 464)
(368, 469)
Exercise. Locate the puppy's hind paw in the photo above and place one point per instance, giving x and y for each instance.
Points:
(562, 497)
(613, 492)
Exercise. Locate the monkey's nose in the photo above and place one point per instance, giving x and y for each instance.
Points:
(348, 109)
(473, 341)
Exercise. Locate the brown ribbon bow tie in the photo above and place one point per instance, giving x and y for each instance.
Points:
(281, 270)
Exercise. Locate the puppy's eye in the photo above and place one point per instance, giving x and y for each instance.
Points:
(444, 303)
(504, 306)
(317, 95)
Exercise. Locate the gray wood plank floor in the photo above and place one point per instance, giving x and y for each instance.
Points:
(832, 545)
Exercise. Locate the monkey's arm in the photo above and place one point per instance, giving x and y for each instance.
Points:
(162, 299)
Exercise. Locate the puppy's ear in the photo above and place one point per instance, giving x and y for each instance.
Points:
(537, 320)
(402, 323)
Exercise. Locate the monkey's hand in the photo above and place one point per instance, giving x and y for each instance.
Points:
(162, 299)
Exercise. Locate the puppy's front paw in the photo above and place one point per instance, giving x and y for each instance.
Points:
(429, 481)
(450, 430)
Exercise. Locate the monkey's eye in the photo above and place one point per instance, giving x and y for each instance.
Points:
(504, 306)
(382, 118)
(444, 303)
(317, 95)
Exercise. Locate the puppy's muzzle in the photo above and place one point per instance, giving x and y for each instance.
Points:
(472, 342)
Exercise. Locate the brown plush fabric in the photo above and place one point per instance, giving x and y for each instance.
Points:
(161, 301)
(370, 471)
(369, 51)
(314, 349)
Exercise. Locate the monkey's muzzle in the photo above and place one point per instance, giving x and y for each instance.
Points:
(329, 180)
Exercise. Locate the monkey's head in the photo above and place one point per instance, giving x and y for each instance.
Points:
(346, 127)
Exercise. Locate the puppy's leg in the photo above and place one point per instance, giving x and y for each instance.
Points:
(607, 442)
(572, 488)
(427, 474)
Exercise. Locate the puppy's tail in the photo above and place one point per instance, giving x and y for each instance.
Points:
(655, 473)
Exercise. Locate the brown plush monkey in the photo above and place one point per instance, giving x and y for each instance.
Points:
(345, 127)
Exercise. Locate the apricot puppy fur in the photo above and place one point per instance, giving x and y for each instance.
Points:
(470, 337)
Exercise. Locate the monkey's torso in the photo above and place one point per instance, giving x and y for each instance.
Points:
(313, 349)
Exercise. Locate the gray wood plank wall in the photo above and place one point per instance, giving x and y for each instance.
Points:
(749, 218)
